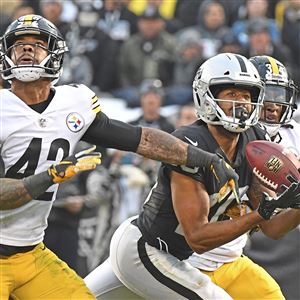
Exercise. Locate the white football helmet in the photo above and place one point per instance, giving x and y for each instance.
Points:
(220, 72)
(50, 67)
(280, 90)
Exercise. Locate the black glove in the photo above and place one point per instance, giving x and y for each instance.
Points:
(295, 202)
(71, 165)
(226, 176)
(289, 198)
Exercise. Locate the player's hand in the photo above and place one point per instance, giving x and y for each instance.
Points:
(71, 165)
(226, 176)
(289, 198)
(295, 203)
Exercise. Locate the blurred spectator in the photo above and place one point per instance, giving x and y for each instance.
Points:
(151, 99)
(148, 54)
(186, 12)
(33, 3)
(291, 33)
(6, 17)
(69, 11)
(254, 9)
(230, 43)
(4, 22)
(211, 25)
(166, 7)
(189, 56)
(186, 115)
(260, 43)
(52, 11)
(22, 10)
(116, 20)
(92, 53)
(98, 220)
(8, 7)
(138, 174)
(279, 10)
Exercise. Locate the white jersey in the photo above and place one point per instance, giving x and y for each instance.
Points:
(213, 259)
(30, 142)
(289, 136)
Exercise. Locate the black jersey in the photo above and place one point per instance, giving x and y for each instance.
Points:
(158, 222)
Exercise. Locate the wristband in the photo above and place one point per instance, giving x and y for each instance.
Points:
(197, 157)
(37, 184)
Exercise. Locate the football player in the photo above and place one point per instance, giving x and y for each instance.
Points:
(279, 101)
(40, 126)
(277, 111)
(185, 213)
(277, 117)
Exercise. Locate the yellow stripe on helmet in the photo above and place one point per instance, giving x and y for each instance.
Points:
(274, 65)
(28, 19)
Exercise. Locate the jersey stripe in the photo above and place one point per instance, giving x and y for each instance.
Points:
(95, 104)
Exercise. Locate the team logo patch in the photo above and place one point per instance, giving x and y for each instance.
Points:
(75, 122)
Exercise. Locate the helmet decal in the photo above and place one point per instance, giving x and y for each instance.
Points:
(242, 63)
(274, 66)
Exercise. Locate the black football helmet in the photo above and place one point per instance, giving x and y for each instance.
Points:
(50, 67)
(279, 89)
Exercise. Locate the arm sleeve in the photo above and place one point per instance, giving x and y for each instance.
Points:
(110, 133)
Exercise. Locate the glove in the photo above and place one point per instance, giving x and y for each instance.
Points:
(226, 176)
(289, 198)
(295, 203)
(71, 165)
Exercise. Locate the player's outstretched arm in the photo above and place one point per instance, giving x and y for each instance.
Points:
(17, 192)
(158, 145)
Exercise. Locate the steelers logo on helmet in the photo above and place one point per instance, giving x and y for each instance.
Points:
(223, 71)
(50, 66)
(75, 122)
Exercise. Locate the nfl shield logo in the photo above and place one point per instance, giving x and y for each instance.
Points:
(75, 122)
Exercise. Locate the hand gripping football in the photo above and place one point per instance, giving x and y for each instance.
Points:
(272, 163)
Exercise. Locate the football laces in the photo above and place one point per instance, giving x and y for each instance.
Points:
(264, 179)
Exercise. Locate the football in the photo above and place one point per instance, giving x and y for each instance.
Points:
(271, 163)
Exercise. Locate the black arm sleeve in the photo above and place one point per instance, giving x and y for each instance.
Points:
(114, 134)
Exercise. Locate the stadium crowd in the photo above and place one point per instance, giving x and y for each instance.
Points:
(145, 53)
